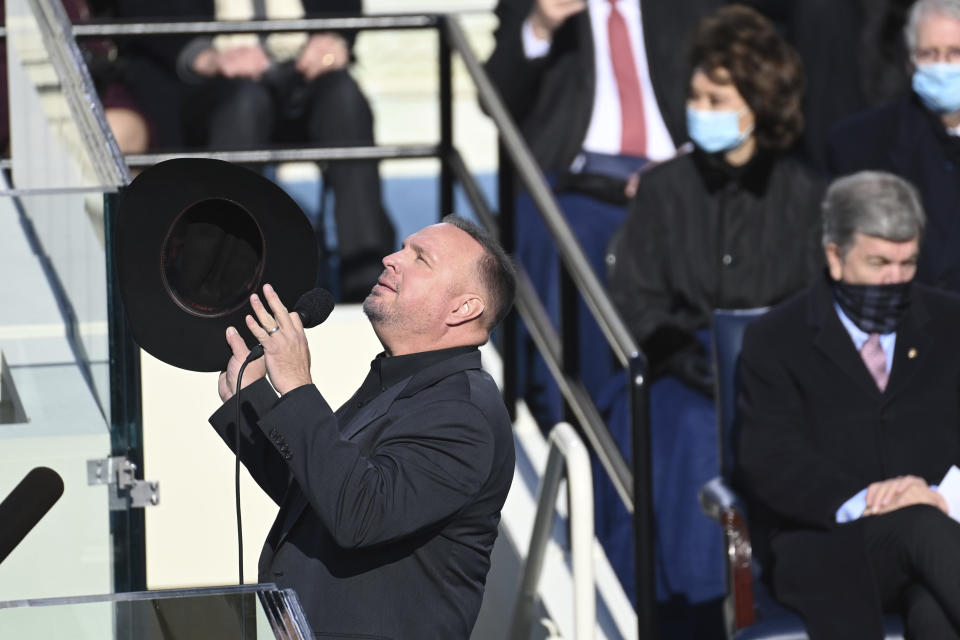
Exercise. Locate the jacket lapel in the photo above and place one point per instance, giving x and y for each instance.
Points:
(372, 411)
(408, 387)
(832, 339)
(913, 346)
(297, 502)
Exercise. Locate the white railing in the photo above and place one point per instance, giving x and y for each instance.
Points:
(569, 455)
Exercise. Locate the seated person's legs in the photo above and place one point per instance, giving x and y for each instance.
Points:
(128, 120)
(130, 130)
(244, 116)
(228, 113)
(339, 114)
(925, 617)
(918, 546)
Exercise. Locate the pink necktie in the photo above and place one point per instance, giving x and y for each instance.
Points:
(633, 134)
(876, 360)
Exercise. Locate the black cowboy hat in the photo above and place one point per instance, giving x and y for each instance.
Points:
(194, 237)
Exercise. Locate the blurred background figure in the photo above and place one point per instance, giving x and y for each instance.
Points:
(140, 98)
(732, 224)
(854, 56)
(246, 92)
(597, 88)
(916, 136)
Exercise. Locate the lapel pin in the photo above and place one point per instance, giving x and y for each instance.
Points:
(912, 353)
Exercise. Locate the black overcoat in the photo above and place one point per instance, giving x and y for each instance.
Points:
(816, 430)
(906, 139)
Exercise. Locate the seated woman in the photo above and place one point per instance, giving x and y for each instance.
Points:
(734, 223)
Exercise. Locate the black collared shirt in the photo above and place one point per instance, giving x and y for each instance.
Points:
(386, 371)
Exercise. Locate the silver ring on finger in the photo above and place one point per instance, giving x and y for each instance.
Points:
(270, 332)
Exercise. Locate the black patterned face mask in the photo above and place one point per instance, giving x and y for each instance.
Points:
(874, 308)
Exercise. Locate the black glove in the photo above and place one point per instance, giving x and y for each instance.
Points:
(693, 368)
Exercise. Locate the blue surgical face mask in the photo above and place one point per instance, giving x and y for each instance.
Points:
(715, 131)
(938, 86)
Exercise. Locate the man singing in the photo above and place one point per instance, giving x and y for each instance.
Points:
(388, 506)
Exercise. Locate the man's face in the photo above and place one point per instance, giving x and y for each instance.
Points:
(873, 260)
(938, 40)
(421, 283)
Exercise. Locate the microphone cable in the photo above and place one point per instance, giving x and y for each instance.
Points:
(236, 489)
(313, 306)
(236, 470)
(255, 354)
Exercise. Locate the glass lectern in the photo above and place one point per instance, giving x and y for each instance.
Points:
(253, 612)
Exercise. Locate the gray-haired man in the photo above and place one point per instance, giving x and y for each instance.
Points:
(916, 136)
(851, 411)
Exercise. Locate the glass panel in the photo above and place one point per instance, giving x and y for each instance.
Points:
(54, 325)
(61, 149)
(244, 613)
(59, 422)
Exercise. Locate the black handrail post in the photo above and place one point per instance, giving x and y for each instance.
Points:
(446, 119)
(506, 204)
(643, 521)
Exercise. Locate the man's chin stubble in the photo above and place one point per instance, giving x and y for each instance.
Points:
(369, 308)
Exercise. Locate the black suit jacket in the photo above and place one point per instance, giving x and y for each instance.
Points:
(906, 139)
(816, 430)
(552, 98)
(386, 522)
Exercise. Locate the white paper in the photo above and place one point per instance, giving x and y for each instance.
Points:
(950, 489)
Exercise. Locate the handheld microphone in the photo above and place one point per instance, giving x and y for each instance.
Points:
(26, 505)
(313, 308)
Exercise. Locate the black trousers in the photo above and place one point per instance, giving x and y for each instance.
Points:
(915, 557)
(842, 581)
(330, 110)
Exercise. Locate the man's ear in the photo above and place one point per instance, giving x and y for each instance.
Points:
(468, 306)
(834, 261)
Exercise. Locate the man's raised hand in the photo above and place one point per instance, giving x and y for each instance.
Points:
(227, 385)
(285, 349)
(546, 16)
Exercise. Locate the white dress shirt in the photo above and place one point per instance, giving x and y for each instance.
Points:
(603, 133)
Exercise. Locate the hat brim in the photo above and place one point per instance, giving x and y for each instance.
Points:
(194, 237)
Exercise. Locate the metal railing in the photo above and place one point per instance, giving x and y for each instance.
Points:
(567, 454)
(633, 487)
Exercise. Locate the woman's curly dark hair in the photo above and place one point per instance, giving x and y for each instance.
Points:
(766, 70)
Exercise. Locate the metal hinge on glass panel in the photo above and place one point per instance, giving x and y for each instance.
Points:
(125, 490)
